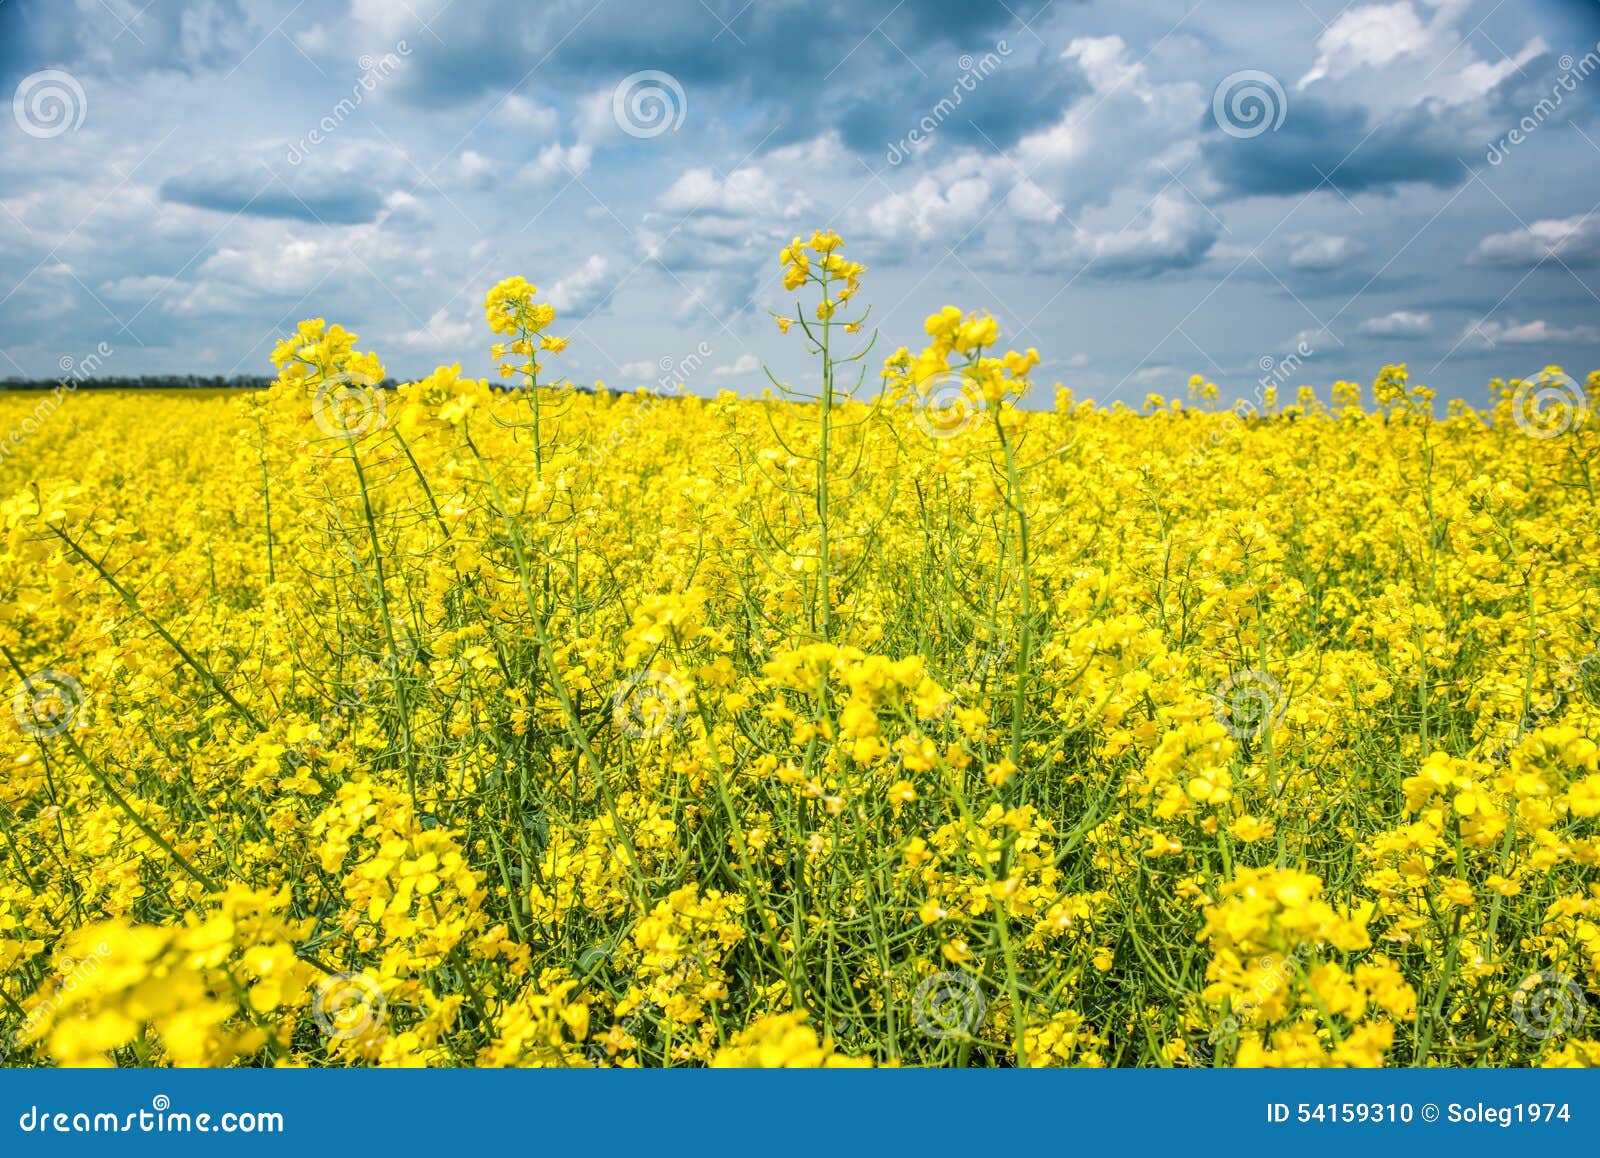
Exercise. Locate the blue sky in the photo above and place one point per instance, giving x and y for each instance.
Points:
(1141, 192)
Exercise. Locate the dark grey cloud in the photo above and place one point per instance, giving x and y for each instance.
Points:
(341, 182)
(1344, 148)
(985, 99)
(124, 37)
(869, 68)
(261, 195)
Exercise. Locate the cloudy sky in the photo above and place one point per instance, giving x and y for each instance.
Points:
(1196, 186)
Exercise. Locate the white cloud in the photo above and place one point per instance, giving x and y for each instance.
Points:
(1148, 375)
(314, 40)
(1116, 168)
(1534, 333)
(402, 208)
(1322, 252)
(822, 152)
(555, 162)
(746, 190)
(1398, 324)
(1367, 37)
(580, 292)
(292, 265)
(948, 202)
(518, 112)
(1104, 62)
(1031, 203)
(743, 364)
(139, 288)
(1125, 116)
(594, 120)
(1053, 148)
(1478, 79)
(717, 236)
(1171, 229)
(474, 169)
(1390, 56)
(439, 334)
(1574, 240)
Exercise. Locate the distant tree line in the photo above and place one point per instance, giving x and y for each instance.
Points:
(184, 382)
(146, 382)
